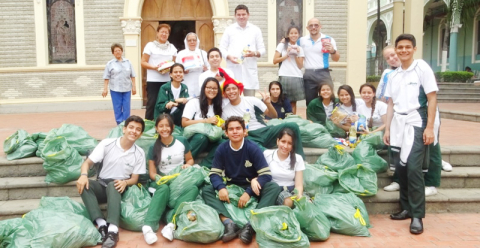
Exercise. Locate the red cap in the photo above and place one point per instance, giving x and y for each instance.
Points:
(229, 80)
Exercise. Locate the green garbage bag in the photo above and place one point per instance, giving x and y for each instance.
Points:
(274, 122)
(64, 204)
(359, 180)
(318, 179)
(334, 130)
(54, 228)
(239, 215)
(191, 176)
(315, 135)
(367, 156)
(277, 226)
(134, 208)
(197, 222)
(212, 132)
(61, 161)
(297, 119)
(346, 212)
(312, 221)
(374, 139)
(19, 145)
(76, 137)
(337, 188)
(39, 137)
(13, 234)
(336, 158)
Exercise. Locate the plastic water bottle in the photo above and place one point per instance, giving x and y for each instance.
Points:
(352, 136)
(246, 118)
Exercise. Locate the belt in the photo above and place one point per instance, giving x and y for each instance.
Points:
(314, 70)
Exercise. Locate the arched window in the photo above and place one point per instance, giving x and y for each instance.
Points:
(289, 13)
(62, 45)
(476, 38)
(441, 35)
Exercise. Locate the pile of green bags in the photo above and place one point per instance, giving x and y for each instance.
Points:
(318, 179)
(212, 132)
(19, 145)
(313, 222)
(239, 215)
(134, 208)
(76, 137)
(336, 158)
(347, 213)
(359, 180)
(197, 222)
(334, 130)
(61, 161)
(315, 135)
(277, 226)
(374, 139)
(191, 176)
(365, 154)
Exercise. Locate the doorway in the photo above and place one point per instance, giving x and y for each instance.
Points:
(179, 30)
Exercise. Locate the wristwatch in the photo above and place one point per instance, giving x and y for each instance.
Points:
(334, 51)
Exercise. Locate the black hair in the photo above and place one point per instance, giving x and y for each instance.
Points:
(349, 90)
(157, 147)
(234, 118)
(281, 97)
(217, 101)
(214, 49)
(409, 37)
(332, 97)
(374, 101)
(289, 132)
(177, 65)
(287, 39)
(241, 6)
(135, 119)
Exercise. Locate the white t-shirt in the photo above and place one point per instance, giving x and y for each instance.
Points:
(172, 156)
(157, 56)
(349, 109)
(409, 88)
(289, 66)
(176, 94)
(192, 110)
(246, 103)
(281, 172)
(117, 163)
(328, 109)
(314, 57)
(208, 73)
(380, 110)
(191, 58)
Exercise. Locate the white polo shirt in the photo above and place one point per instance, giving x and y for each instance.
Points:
(289, 66)
(172, 155)
(281, 172)
(409, 88)
(380, 110)
(192, 110)
(314, 57)
(247, 103)
(117, 163)
(157, 56)
(208, 73)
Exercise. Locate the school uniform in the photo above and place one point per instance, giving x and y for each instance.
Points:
(282, 107)
(319, 113)
(166, 94)
(380, 110)
(117, 165)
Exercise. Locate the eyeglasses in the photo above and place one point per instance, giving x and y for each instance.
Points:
(211, 89)
(313, 26)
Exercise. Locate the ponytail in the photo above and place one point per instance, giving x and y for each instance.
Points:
(374, 102)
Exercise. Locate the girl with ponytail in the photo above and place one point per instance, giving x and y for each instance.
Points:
(375, 111)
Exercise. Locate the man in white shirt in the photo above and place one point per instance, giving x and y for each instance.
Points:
(317, 48)
(122, 162)
(241, 44)
(409, 130)
(214, 56)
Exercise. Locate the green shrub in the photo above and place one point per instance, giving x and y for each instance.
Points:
(373, 79)
(453, 76)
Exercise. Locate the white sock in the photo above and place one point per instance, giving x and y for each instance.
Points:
(100, 222)
(146, 228)
(112, 228)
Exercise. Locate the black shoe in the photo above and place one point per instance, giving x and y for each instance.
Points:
(416, 226)
(103, 230)
(402, 215)
(111, 240)
(231, 232)
(246, 234)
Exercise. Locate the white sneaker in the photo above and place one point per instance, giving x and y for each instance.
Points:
(168, 230)
(392, 187)
(446, 166)
(430, 191)
(392, 167)
(149, 236)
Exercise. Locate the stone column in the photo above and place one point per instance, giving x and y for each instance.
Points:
(414, 23)
(356, 56)
(397, 24)
(452, 59)
(132, 51)
(220, 23)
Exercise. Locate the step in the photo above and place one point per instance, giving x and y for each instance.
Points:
(20, 188)
(447, 91)
(455, 84)
(445, 99)
(460, 115)
(460, 94)
(459, 177)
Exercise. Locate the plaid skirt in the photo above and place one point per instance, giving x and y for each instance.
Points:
(293, 88)
(285, 193)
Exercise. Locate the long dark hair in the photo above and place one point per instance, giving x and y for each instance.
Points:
(217, 101)
(157, 147)
(349, 90)
(176, 65)
(281, 97)
(287, 39)
(374, 101)
(289, 132)
(332, 97)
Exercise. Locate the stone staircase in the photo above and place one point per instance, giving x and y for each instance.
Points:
(458, 92)
(22, 185)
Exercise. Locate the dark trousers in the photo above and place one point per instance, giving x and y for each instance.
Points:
(267, 136)
(95, 194)
(152, 94)
(312, 79)
(268, 196)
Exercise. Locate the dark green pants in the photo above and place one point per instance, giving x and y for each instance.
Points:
(200, 143)
(267, 136)
(159, 204)
(96, 194)
(268, 196)
(208, 160)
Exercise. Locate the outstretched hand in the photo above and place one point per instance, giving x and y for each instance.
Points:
(266, 96)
